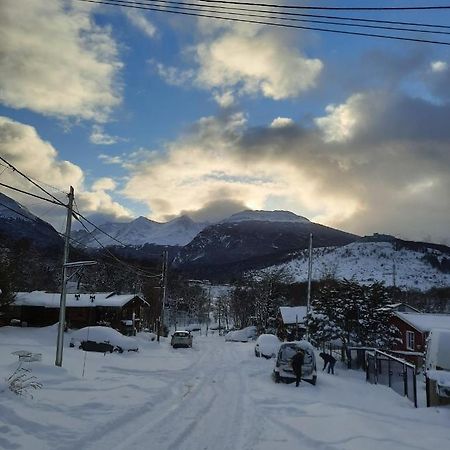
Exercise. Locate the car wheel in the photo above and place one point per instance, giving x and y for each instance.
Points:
(277, 377)
(314, 380)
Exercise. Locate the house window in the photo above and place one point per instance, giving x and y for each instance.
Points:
(410, 340)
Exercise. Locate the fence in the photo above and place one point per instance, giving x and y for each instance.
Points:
(399, 375)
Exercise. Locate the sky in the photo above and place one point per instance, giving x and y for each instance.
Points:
(156, 114)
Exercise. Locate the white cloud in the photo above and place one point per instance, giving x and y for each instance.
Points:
(281, 122)
(21, 145)
(99, 137)
(261, 63)
(104, 184)
(342, 120)
(173, 75)
(56, 61)
(439, 66)
(225, 99)
(138, 19)
(107, 159)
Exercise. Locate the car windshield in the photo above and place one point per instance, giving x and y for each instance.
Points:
(179, 334)
(288, 351)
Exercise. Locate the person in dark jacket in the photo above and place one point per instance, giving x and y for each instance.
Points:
(328, 360)
(297, 363)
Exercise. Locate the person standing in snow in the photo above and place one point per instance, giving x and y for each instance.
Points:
(328, 360)
(297, 363)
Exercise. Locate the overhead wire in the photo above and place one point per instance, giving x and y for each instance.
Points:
(184, 12)
(291, 16)
(32, 181)
(32, 195)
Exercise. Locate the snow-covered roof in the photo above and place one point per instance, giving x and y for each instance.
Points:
(51, 300)
(425, 321)
(292, 314)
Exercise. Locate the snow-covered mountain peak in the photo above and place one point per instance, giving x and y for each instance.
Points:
(8, 206)
(266, 216)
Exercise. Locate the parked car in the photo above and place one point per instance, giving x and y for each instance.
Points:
(283, 370)
(102, 339)
(244, 335)
(181, 339)
(267, 346)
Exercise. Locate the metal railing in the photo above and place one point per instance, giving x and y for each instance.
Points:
(396, 373)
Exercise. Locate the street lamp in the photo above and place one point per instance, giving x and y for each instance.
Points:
(62, 306)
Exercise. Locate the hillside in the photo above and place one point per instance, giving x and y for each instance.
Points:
(392, 262)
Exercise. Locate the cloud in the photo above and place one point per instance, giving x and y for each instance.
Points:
(438, 66)
(341, 120)
(56, 61)
(138, 19)
(261, 63)
(215, 211)
(232, 60)
(21, 145)
(99, 137)
(377, 162)
(281, 122)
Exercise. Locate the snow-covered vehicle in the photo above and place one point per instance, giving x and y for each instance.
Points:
(244, 335)
(437, 366)
(102, 339)
(267, 346)
(437, 355)
(181, 339)
(283, 370)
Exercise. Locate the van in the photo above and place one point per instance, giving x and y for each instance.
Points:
(437, 355)
(283, 369)
(437, 367)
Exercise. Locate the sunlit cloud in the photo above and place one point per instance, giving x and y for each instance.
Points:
(56, 61)
(21, 145)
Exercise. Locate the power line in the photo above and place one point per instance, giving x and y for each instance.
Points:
(332, 8)
(59, 203)
(245, 12)
(260, 22)
(285, 13)
(32, 181)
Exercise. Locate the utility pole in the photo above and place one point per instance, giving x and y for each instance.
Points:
(163, 291)
(62, 305)
(308, 298)
(209, 309)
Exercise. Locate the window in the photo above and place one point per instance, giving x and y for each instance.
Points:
(410, 340)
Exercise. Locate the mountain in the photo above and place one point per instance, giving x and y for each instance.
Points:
(253, 239)
(18, 223)
(405, 264)
(142, 231)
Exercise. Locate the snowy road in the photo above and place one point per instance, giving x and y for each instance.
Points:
(216, 396)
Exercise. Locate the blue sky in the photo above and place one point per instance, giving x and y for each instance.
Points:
(158, 115)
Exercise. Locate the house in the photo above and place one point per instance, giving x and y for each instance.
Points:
(414, 328)
(40, 308)
(291, 322)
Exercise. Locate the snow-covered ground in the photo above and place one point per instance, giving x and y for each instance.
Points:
(367, 262)
(214, 396)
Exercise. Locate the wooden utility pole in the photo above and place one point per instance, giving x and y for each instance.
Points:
(308, 298)
(163, 291)
(62, 305)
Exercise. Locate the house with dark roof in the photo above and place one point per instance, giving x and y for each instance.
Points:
(40, 308)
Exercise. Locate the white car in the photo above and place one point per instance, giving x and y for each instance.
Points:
(283, 370)
(102, 339)
(181, 339)
(267, 346)
(244, 335)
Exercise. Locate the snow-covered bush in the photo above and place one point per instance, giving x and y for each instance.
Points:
(21, 382)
